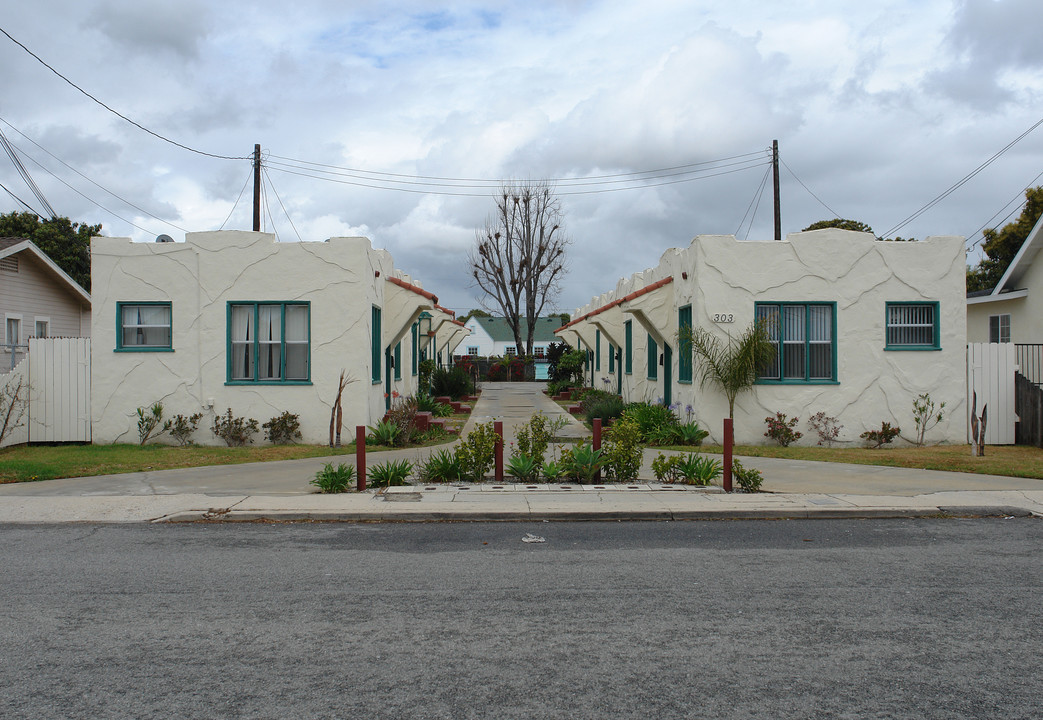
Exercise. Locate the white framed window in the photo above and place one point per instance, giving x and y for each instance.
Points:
(999, 328)
(12, 332)
(43, 325)
(143, 327)
(539, 351)
(472, 349)
(510, 350)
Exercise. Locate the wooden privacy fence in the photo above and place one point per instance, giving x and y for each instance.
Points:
(58, 374)
(990, 376)
(1028, 399)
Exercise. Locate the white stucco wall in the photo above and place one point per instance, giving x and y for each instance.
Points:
(199, 277)
(718, 275)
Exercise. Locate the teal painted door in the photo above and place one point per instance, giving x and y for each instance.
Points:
(668, 375)
(387, 378)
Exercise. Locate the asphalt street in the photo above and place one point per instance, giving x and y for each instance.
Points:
(717, 619)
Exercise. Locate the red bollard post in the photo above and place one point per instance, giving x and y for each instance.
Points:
(729, 440)
(498, 427)
(360, 456)
(597, 445)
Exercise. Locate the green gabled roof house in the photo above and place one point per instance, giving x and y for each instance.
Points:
(493, 336)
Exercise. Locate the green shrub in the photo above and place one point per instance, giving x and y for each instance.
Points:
(883, 436)
(781, 430)
(606, 406)
(622, 450)
(390, 473)
(534, 437)
(148, 421)
(699, 470)
(425, 370)
(283, 429)
(442, 466)
(650, 416)
(667, 469)
(235, 431)
(334, 480)
(477, 452)
(454, 382)
(181, 427)
(925, 417)
(748, 479)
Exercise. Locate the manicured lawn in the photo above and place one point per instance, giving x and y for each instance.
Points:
(45, 462)
(1011, 460)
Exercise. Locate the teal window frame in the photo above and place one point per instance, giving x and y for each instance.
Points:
(611, 359)
(255, 343)
(120, 347)
(628, 342)
(376, 353)
(684, 345)
(653, 358)
(398, 360)
(935, 343)
(597, 351)
(806, 342)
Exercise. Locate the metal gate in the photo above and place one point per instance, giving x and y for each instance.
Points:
(990, 377)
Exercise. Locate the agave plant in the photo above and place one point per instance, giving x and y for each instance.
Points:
(583, 462)
(523, 467)
(384, 433)
(552, 470)
(690, 433)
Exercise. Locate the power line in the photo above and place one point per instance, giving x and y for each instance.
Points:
(10, 150)
(428, 188)
(115, 112)
(820, 202)
(248, 176)
(963, 181)
(755, 199)
(456, 182)
(92, 182)
(268, 177)
(24, 203)
(1019, 206)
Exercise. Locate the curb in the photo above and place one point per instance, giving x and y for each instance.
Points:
(234, 516)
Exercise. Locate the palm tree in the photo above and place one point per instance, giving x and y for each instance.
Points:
(730, 365)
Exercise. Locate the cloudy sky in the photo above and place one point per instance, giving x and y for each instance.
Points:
(394, 119)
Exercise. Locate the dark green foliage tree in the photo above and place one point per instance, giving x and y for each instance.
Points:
(477, 312)
(1002, 245)
(841, 223)
(67, 243)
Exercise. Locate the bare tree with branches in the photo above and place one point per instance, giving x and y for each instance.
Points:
(519, 256)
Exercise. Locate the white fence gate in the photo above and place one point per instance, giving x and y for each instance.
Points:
(990, 374)
(58, 374)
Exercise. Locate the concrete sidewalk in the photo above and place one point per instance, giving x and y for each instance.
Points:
(281, 490)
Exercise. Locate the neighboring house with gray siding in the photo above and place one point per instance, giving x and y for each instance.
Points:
(37, 299)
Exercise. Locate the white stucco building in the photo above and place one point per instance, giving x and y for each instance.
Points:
(238, 320)
(862, 327)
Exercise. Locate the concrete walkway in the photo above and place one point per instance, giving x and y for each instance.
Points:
(281, 490)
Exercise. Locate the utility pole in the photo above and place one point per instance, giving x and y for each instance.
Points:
(257, 189)
(778, 203)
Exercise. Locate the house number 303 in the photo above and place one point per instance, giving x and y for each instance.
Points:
(723, 317)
